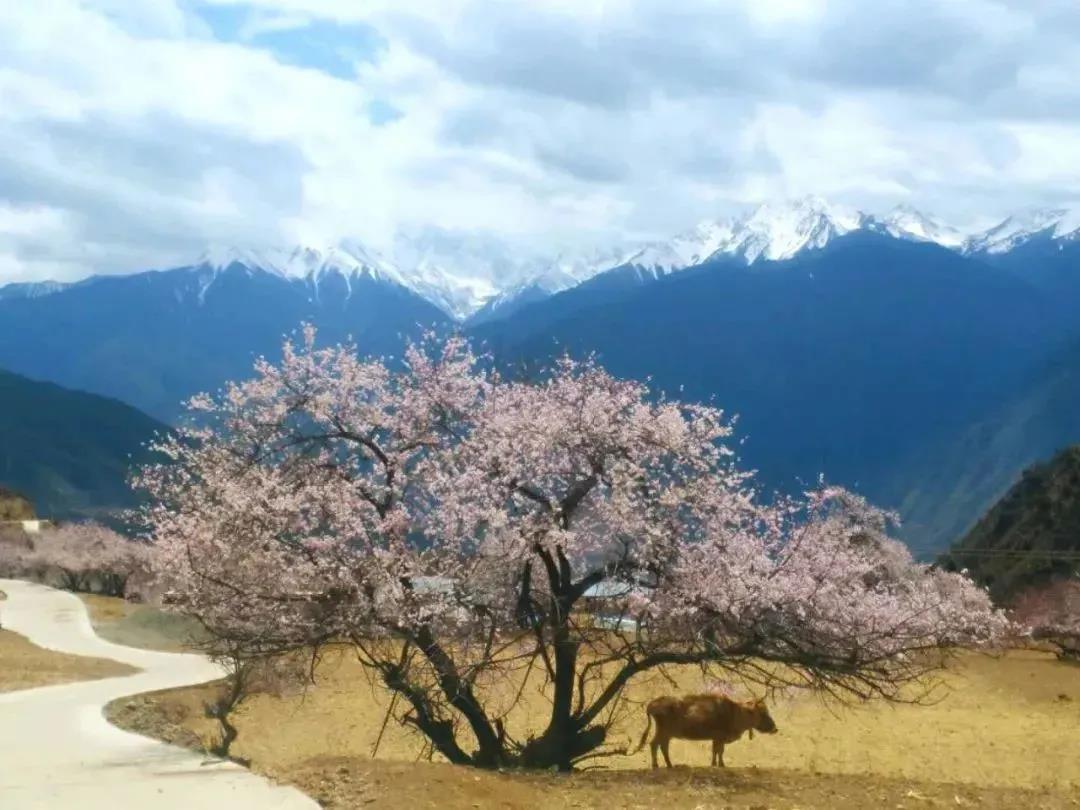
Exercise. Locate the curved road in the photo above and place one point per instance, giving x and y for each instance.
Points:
(58, 751)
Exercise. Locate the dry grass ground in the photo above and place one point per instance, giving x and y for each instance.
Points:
(138, 625)
(1005, 734)
(24, 665)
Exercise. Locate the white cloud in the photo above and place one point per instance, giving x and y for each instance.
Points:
(28, 221)
(545, 123)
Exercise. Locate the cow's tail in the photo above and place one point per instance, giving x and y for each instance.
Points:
(645, 733)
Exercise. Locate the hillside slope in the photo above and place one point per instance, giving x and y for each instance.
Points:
(1031, 534)
(943, 486)
(69, 452)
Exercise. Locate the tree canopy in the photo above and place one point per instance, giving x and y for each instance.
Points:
(457, 527)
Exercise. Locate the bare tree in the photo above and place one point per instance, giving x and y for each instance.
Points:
(250, 670)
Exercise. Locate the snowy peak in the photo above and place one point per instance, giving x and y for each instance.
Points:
(777, 231)
(458, 272)
(301, 262)
(570, 269)
(905, 222)
(457, 295)
(772, 231)
(457, 291)
(1055, 223)
(687, 249)
(220, 257)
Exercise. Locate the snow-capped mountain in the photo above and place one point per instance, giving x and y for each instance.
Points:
(475, 275)
(458, 283)
(302, 262)
(686, 249)
(544, 277)
(465, 274)
(1056, 223)
(905, 222)
(460, 273)
(30, 289)
(777, 231)
(157, 337)
(770, 232)
(351, 260)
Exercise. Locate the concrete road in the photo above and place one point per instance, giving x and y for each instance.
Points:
(57, 751)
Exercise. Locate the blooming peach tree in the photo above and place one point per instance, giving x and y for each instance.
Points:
(473, 536)
(81, 557)
(1051, 613)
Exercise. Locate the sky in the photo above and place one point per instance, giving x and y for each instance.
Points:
(133, 133)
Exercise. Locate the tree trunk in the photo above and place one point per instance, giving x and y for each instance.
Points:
(562, 728)
(439, 731)
(461, 697)
(112, 584)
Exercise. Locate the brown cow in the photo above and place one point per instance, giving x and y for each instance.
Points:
(703, 717)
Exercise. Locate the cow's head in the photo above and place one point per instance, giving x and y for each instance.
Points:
(763, 721)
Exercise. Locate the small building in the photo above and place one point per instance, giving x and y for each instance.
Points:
(606, 600)
(608, 589)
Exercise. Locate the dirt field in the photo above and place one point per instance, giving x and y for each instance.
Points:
(1006, 734)
(24, 665)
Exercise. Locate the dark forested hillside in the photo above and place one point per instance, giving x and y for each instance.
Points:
(69, 452)
(1032, 534)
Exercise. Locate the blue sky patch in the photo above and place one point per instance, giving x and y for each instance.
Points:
(297, 40)
(383, 112)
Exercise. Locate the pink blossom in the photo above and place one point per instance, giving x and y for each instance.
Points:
(452, 509)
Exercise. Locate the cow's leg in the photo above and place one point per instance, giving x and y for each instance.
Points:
(718, 747)
(653, 746)
(664, 743)
(715, 751)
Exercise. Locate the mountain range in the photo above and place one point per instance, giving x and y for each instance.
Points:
(471, 278)
(153, 339)
(896, 354)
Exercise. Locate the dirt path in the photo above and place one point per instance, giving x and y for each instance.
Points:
(59, 751)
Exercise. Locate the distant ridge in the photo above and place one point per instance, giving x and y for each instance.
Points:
(154, 339)
(67, 451)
